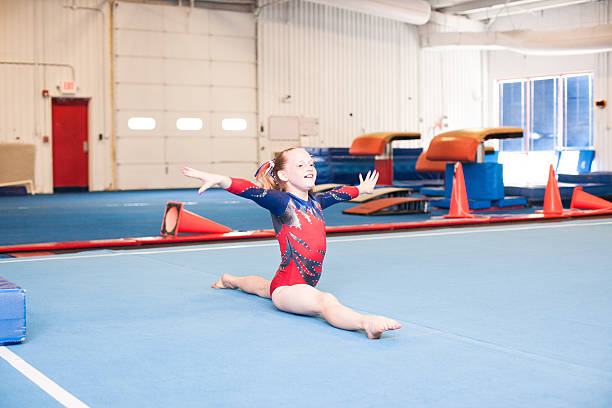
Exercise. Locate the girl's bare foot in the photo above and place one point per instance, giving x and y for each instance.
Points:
(225, 282)
(374, 326)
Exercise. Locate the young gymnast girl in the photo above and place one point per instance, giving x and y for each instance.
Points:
(298, 223)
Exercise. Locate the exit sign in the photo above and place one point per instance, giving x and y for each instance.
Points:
(68, 87)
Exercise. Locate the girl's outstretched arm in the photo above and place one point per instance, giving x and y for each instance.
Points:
(273, 200)
(208, 179)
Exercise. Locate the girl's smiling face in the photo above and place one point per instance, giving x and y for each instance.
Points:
(299, 171)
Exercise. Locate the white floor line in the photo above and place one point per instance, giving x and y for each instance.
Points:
(394, 235)
(61, 395)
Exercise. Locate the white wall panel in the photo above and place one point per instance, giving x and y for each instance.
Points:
(140, 70)
(187, 98)
(232, 150)
(233, 99)
(139, 43)
(39, 33)
(161, 44)
(162, 71)
(232, 74)
(141, 176)
(203, 66)
(140, 96)
(143, 150)
(232, 49)
(355, 73)
(231, 24)
(190, 150)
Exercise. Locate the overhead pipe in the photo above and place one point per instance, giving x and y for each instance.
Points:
(584, 40)
(408, 11)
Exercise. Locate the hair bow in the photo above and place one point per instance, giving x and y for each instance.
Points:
(265, 168)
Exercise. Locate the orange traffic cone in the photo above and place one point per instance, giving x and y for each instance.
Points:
(176, 220)
(459, 206)
(552, 196)
(586, 201)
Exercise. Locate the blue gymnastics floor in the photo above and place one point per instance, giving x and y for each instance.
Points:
(505, 316)
(128, 214)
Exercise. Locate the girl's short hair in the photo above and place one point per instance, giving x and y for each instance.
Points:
(269, 179)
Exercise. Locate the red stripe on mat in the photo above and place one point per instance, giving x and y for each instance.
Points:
(437, 222)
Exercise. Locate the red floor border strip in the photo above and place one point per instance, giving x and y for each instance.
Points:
(435, 222)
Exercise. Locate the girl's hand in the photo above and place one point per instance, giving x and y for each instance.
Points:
(367, 185)
(209, 179)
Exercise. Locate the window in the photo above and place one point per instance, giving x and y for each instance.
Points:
(512, 111)
(189, 124)
(555, 112)
(234, 124)
(141, 123)
(578, 113)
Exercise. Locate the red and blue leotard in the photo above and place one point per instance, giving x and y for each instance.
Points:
(299, 228)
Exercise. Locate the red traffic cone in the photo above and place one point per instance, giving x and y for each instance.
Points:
(552, 196)
(459, 206)
(586, 201)
(176, 220)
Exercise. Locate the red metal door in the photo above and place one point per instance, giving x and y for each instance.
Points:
(70, 145)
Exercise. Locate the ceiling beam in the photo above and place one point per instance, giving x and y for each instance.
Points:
(520, 8)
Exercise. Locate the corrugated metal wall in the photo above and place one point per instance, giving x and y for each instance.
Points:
(39, 33)
(177, 62)
(452, 84)
(354, 73)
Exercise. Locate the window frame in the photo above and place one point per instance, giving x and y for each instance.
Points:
(561, 109)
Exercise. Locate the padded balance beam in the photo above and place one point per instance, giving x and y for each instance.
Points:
(380, 145)
(12, 313)
(391, 205)
(466, 145)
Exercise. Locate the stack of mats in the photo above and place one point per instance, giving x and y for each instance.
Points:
(12, 313)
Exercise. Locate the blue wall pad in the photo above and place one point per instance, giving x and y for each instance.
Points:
(336, 165)
(602, 177)
(474, 204)
(483, 181)
(509, 202)
(536, 193)
(432, 191)
(12, 313)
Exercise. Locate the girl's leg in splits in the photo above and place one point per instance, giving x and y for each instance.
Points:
(255, 285)
(306, 300)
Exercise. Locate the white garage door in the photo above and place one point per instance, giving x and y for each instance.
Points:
(185, 94)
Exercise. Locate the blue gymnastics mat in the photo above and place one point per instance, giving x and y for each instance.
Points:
(128, 214)
(506, 316)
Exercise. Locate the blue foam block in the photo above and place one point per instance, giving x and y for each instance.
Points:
(12, 313)
(483, 181)
(509, 202)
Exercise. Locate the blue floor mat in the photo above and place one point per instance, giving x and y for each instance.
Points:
(521, 324)
(124, 214)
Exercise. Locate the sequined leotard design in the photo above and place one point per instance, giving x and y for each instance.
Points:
(299, 228)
